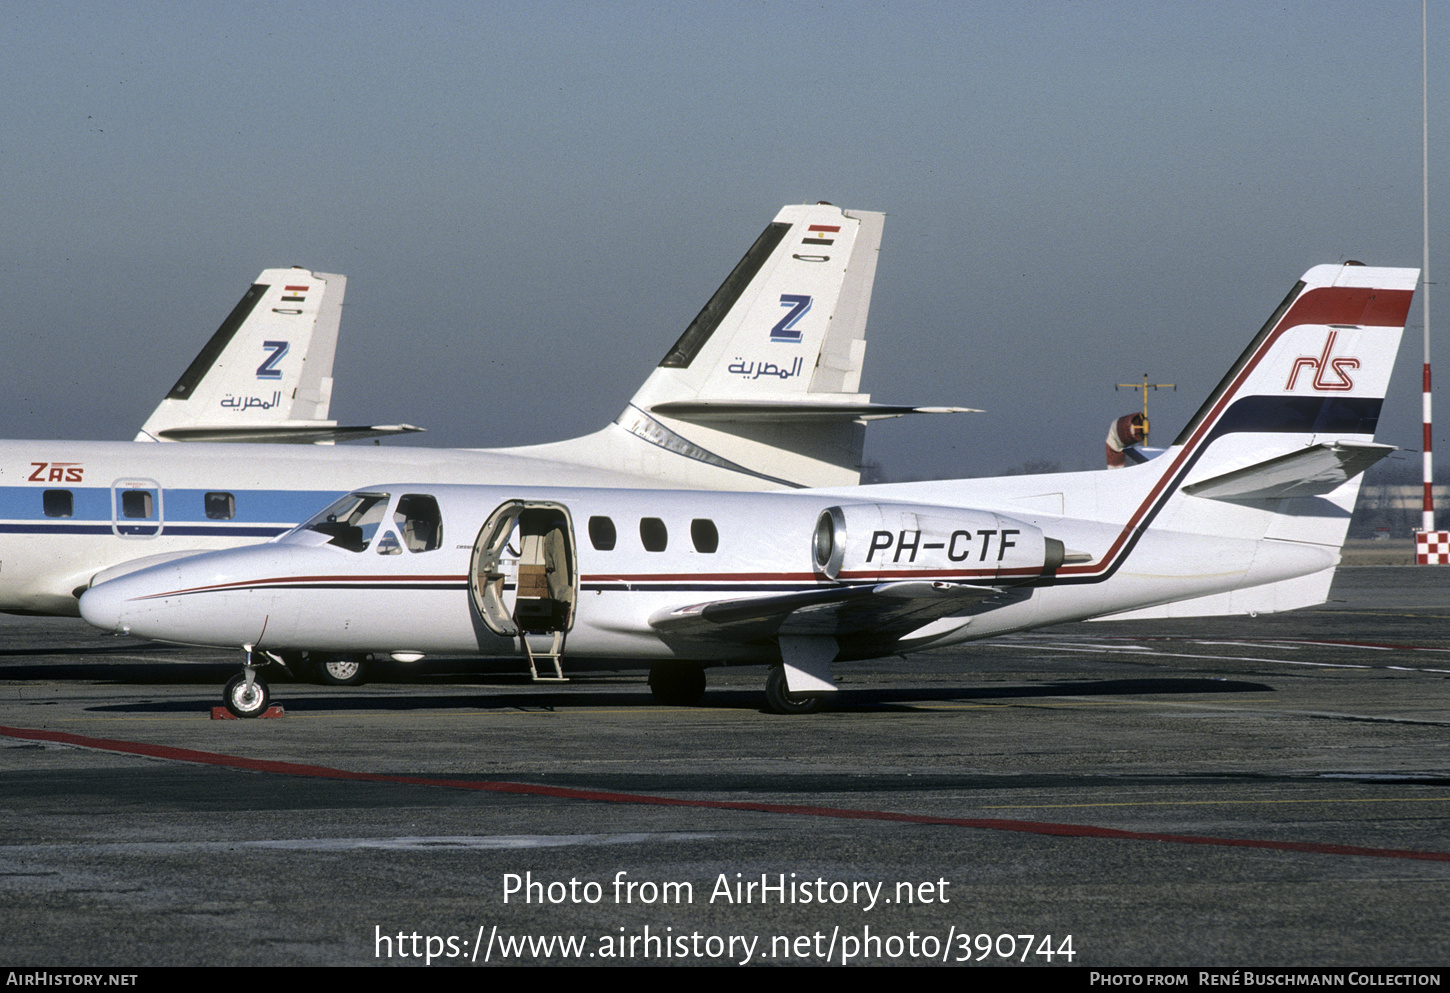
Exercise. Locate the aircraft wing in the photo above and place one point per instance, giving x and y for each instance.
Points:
(878, 608)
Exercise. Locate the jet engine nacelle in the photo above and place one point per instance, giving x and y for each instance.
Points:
(889, 540)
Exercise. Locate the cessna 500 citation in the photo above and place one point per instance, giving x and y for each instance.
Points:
(759, 392)
(1245, 512)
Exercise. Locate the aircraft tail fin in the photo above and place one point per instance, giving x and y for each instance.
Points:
(266, 374)
(762, 388)
(1278, 450)
(1316, 374)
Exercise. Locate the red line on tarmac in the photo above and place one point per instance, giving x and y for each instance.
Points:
(600, 796)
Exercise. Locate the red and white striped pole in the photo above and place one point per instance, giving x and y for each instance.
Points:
(1427, 516)
(1431, 547)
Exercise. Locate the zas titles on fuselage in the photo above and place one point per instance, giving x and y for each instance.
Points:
(56, 472)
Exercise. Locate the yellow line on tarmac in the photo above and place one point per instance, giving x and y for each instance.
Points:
(1203, 803)
(1051, 703)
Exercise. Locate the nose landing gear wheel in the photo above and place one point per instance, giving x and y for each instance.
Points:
(247, 701)
(781, 700)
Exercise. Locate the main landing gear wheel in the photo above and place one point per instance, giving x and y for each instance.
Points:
(340, 670)
(781, 700)
(245, 700)
(677, 684)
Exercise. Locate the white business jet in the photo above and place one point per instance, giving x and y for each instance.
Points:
(759, 392)
(1245, 512)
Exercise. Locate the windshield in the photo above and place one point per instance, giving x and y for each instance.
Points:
(352, 522)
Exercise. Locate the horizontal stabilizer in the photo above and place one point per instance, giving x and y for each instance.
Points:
(309, 432)
(1312, 471)
(767, 410)
(881, 608)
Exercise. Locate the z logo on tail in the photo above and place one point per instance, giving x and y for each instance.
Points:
(785, 330)
(268, 369)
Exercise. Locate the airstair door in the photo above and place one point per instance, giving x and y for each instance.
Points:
(544, 590)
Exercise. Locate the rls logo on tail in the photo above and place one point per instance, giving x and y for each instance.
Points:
(1324, 367)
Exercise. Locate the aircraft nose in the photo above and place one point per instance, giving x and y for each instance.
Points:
(104, 606)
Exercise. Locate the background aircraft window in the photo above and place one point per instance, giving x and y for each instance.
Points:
(653, 533)
(419, 521)
(136, 504)
(704, 535)
(220, 506)
(601, 533)
(352, 521)
(59, 503)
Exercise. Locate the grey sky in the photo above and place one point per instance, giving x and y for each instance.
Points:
(532, 200)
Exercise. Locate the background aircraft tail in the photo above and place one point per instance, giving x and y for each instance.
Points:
(1277, 451)
(761, 389)
(266, 374)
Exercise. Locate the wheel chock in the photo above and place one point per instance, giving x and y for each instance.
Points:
(223, 714)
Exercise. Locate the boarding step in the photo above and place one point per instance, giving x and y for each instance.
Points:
(552, 653)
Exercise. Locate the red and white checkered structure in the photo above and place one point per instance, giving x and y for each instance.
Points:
(1432, 547)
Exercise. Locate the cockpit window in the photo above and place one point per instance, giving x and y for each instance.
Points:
(351, 522)
(419, 522)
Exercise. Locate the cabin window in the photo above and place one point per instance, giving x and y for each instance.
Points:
(419, 522)
(136, 504)
(58, 503)
(601, 533)
(220, 506)
(704, 535)
(654, 534)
